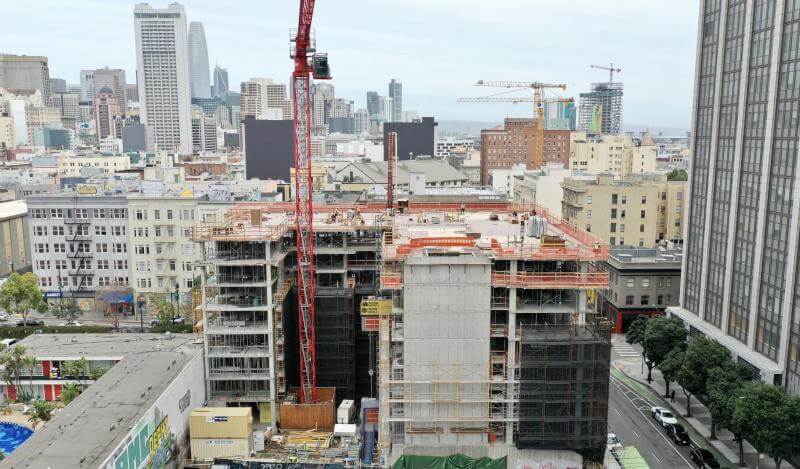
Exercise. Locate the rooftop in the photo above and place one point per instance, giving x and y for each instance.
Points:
(13, 208)
(640, 257)
(104, 413)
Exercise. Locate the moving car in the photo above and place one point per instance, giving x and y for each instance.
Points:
(613, 443)
(176, 320)
(677, 434)
(703, 458)
(663, 416)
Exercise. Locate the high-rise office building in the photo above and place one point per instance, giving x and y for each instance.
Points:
(162, 72)
(58, 85)
(198, 61)
(322, 98)
(601, 109)
(25, 72)
(740, 283)
(106, 108)
(262, 98)
(113, 79)
(221, 86)
(361, 121)
(396, 93)
(87, 86)
(372, 103)
(385, 108)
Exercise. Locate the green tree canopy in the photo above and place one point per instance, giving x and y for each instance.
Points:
(702, 355)
(677, 175)
(671, 365)
(66, 309)
(21, 294)
(636, 330)
(161, 307)
(661, 336)
(769, 419)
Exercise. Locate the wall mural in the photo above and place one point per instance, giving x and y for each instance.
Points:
(152, 445)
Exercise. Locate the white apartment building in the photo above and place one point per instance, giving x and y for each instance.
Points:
(615, 153)
(445, 145)
(70, 165)
(262, 97)
(79, 241)
(162, 70)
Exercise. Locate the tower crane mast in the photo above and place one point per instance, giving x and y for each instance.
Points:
(307, 63)
(610, 69)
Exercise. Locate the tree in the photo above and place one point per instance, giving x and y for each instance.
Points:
(661, 336)
(66, 309)
(70, 391)
(161, 308)
(41, 411)
(671, 365)
(768, 418)
(722, 387)
(702, 355)
(635, 334)
(21, 294)
(12, 364)
(77, 370)
(677, 175)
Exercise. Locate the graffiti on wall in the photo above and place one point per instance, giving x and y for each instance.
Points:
(152, 445)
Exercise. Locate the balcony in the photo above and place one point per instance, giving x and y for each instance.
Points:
(551, 280)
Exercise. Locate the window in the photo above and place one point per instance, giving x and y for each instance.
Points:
(589, 200)
(668, 299)
(141, 232)
(119, 213)
(643, 214)
(40, 231)
(140, 214)
(121, 264)
(668, 282)
(641, 228)
(645, 282)
(118, 230)
(100, 230)
(99, 213)
(613, 198)
(189, 283)
(621, 241)
(629, 300)
(589, 214)
(645, 300)
(169, 214)
(101, 247)
(613, 228)
(120, 247)
(143, 266)
(644, 199)
(622, 228)
(142, 249)
(612, 241)
(104, 281)
(38, 213)
(613, 213)
(144, 283)
(157, 232)
(677, 222)
(102, 264)
(59, 247)
(157, 214)
(42, 248)
(624, 199)
(660, 299)
(678, 195)
(56, 213)
(630, 282)
(58, 231)
(172, 265)
(187, 232)
(187, 249)
(622, 214)
(170, 232)
(61, 264)
(187, 266)
(589, 228)
(43, 265)
(82, 213)
(641, 242)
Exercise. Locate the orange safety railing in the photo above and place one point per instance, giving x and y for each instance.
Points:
(442, 241)
(391, 280)
(551, 280)
(551, 251)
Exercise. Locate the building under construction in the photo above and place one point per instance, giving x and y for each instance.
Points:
(467, 320)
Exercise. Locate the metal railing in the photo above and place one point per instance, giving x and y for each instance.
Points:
(566, 280)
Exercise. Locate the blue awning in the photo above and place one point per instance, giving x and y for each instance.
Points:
(119, 297)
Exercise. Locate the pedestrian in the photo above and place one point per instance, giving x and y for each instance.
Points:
(672, 397)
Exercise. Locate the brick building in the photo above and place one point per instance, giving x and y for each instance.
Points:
(515, 143)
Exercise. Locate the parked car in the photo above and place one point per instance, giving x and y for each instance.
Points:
(73, 323)
(677, 434)
(4, 316)
(175, 320)
(7, 343)
(613, 444)
(703, 458)
(663, 416)
(30, 322)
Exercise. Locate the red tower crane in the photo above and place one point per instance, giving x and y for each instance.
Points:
(307, 63)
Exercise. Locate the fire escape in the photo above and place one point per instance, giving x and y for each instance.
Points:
(79, 249)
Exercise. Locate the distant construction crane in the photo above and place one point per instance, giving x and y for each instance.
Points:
(537, 99)
(610, 69)
(307, 63)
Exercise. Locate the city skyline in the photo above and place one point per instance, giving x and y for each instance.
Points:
(632, 34)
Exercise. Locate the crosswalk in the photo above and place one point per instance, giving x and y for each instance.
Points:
(622, 348)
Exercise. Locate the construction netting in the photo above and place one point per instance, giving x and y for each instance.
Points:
(454, 461)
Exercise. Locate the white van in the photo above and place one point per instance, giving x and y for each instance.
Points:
(7, 343)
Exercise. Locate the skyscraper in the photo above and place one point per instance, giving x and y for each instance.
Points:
(58, 85)
(106, 108)
(372, 103)
(87, 86)
(221, 86)
(396, 93)
(198, 61)
(163, 75)
(113, 79)
(25, 72)
(601, 109)
(740, 282)
(322, 96)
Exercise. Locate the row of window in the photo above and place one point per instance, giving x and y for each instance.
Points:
(79, 213)
(187, 249)
(161, 282)
(81, 230)
(88, 281)
(186, 214)
(161, 266)
(44, 248)
(644, 300)
(102, 264)
(159, 231)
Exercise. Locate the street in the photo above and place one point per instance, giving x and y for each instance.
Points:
(629, 417)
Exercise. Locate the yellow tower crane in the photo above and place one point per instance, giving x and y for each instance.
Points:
(537, 99)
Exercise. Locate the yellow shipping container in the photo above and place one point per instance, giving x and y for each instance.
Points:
(206, 449)
(221, 422)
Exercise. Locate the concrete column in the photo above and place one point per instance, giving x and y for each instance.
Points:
(511, 353)
(712, 158)
(270, 334)
(737, 165)
(763, 196)
(699, 48)
(204, 302)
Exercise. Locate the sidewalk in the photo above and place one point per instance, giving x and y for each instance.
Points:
(701, 417)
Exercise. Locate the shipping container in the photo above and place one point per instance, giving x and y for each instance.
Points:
(206, 449)
(221, 422)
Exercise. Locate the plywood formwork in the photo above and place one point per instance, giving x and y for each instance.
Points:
(317, 415)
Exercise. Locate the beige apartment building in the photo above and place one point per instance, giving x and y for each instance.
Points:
(639, 210)
(610, 153)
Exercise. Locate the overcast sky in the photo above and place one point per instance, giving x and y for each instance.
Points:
(437, 48)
